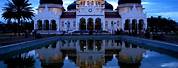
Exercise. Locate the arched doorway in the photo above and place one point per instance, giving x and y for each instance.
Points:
(82, 24)
(90, 24)
(39, 23)
(127, 25)
(140, 26)
(134, 26)
(98, 24)
(46, 24)
(53, 25)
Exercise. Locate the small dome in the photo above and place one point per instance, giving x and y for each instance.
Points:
(51, 2)
(72, 6)
(108, 6)
(129, 1)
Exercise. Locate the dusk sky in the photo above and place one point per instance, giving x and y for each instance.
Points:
(164, 8)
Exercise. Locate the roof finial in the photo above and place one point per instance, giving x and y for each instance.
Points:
(134, 8)
(46, 8)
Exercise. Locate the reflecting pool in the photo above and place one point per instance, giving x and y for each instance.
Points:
(90, 54)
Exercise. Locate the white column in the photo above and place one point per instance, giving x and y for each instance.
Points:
(103, 45)
(35, 25)
(103, 24)
(94, 24)
(43, 25)
(137, 26)
(123, 22)
(58, 24)
(50, 25)
(145, 24)
(86, 24)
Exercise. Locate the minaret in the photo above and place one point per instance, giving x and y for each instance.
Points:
(124, 6)
(134, 20)
(48, 15)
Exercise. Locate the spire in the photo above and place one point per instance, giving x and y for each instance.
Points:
(134, 9)
(46, 8)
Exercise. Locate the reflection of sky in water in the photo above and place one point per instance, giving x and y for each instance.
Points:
(113, 63)
(2, 65)
(68, 63)
(156, 60)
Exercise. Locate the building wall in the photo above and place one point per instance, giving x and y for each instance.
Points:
(112, 24)
(127, 12)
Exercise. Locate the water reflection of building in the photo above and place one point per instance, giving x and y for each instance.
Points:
(91, 53)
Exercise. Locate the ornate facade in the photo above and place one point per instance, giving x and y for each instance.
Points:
(84, 16)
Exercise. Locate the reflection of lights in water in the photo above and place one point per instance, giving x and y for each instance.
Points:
(113, 63)
(68, 63)
(66, 58)
(84, 47)
(170, 65)
(32, 53)
(114, 55)
(145, 55)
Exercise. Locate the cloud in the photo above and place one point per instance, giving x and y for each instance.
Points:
(146, 3)
(172, 15)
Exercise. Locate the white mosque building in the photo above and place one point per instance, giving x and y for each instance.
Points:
(97, 16)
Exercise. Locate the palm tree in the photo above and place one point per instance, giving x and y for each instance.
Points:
(18, 10)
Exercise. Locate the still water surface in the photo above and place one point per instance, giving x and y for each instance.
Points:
(90, 54)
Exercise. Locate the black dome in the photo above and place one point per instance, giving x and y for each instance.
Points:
(108, 6)
(72, 6)
(51, 2)
(129, 1)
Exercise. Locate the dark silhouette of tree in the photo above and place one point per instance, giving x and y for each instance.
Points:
(160, 24)
(18, 11)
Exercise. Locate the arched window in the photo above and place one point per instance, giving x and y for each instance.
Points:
(39, 23)
(90, 24)
(92, 2)
(140, 25)
(83, 2)
(87, 2)
(53, 25)
(127, 24)
(134, 26)
(82, 24)
(98, 24)
(46, 24)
